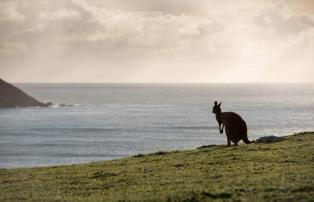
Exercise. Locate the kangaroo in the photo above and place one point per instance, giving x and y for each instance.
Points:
(235, 126)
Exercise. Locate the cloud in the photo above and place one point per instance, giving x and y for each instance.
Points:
(279, 21)
(62, 14)
(200, 40)
(9, 13)
(12, 48)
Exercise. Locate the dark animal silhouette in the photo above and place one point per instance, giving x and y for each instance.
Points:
(235, 126)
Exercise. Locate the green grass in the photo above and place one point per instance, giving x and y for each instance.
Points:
(281, 171)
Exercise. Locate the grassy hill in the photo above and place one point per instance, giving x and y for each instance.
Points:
(257, 172)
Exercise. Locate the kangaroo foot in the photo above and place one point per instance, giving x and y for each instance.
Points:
(228, 142)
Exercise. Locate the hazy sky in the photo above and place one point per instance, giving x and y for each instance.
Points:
(157, 40)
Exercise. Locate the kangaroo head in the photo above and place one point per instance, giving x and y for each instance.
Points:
(216, 108)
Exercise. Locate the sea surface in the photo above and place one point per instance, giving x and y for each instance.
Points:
(110, 121)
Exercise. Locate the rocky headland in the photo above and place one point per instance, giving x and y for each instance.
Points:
(12, 97)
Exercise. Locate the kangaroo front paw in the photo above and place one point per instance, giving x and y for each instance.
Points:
(221, 131)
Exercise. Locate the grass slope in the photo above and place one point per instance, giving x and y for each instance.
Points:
(261, 172)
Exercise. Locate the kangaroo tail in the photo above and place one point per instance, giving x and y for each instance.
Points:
(247, 141)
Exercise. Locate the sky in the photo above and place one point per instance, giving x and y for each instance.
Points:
(157, 41)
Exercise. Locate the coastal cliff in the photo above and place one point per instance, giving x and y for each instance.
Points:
(11, 96)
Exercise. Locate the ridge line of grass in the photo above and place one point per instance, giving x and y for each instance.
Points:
(261, 172)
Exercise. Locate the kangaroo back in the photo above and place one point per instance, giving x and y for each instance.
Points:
(235, 126)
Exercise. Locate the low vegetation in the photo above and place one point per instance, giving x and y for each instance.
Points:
(281, 171)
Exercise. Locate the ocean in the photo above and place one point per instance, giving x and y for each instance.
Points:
(110, 121)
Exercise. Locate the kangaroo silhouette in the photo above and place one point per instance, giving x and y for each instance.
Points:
(235, 126)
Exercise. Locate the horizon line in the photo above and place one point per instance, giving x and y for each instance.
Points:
(163, 83)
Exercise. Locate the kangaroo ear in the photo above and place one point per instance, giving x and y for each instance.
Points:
(215, 103)
(219, 104)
